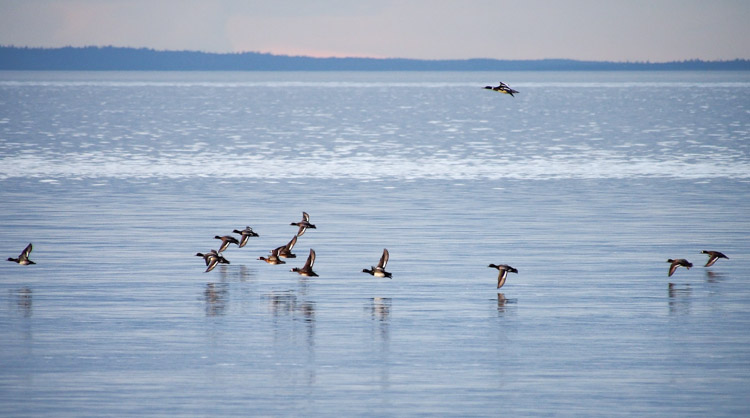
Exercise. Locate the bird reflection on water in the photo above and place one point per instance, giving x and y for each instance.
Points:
(23, 300)
(679, 298)
(379, 308)
(286, 309)
(286, 303)
(713, 277)
(216, 298)
(380, 311)
(504, 305)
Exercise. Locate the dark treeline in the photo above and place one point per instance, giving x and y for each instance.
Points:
(142, 59)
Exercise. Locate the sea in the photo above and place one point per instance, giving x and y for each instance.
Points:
(585, 182)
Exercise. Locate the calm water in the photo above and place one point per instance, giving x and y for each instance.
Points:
(585, 182)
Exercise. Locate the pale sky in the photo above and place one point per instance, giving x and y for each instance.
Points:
(612, 30)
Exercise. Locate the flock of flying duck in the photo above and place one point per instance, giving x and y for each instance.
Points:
(214, 257)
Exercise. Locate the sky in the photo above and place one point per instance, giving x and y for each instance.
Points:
(599, 30)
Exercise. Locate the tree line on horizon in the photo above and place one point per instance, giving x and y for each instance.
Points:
(110, 58)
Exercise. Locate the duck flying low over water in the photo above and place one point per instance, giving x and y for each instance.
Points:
(503, 270)
(303, 224)
(273, 258)
(286, 250)
(245, 234)
(225, 241)
(677, 263)
(212, 259)
(379, 271)
(23, 258)
(712, 257)
(502, 88)
(307, 270)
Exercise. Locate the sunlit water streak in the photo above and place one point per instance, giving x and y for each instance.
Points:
(585, 182)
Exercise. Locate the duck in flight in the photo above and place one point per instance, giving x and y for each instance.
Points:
(677, 263)
(212, 259)
(286, 250)
(273, 258)
(225, 241)
(502, 88)
(503, 270)
(303, 224)
(379, 271)
(712, 257)
(245, 234)
(23, 258)
(307, 270)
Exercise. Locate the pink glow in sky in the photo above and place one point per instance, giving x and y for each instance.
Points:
(614, 30)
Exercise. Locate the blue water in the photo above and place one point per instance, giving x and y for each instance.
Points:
(585, 182)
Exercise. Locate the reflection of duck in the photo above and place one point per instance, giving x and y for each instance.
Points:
(677, 263)
(501, 301)
(273, 258)
(303, 224)
(23, 258)
(712, 257)
(503, 270)
(502, 88)
(245, 235)
(379, 271)
(24, 301)
(286, 250)
(225, 241)
(380, 308)
(307, 270)
(679, 298)
(215, 296)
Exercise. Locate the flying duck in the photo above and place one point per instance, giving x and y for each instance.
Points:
(712, 257)
(212, 258)
(303, 224)
(379, 271)
(273, 258)
(503, 269)
(307, 270)
(245, 234)
(225, 241)
(23, 258)
(286, 250)
(677, 263)
(502, 88)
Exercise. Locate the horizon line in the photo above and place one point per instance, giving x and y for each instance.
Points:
(334, 57)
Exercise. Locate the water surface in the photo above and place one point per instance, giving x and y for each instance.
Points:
(585, 182)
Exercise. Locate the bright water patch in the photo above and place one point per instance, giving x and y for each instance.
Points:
(384, 129)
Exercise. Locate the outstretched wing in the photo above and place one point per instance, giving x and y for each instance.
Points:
(305, 217)
(672, 268)
(291, 243)
(384, 259)
(310, 260)
(211, 264)
(26, 251)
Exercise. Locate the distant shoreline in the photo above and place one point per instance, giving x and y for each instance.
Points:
(110, 58)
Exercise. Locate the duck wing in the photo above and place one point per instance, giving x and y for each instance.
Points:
(672, 268)
(310, 260)
(384, 259)
(291, 243)
(26, 252)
